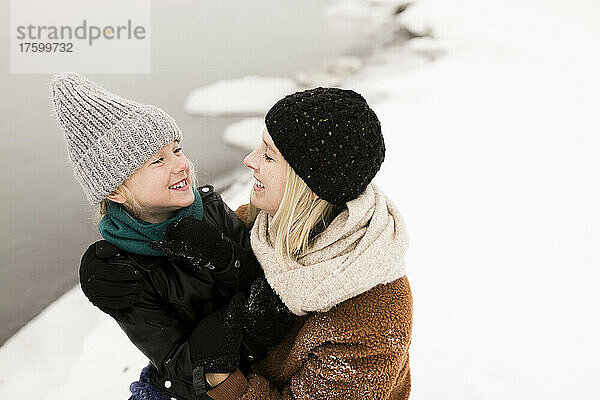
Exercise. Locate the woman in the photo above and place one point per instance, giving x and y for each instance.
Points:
(331, 245)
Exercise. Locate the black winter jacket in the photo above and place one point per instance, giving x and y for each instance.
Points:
(174, 296)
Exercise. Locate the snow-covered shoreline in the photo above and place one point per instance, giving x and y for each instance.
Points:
(491, 154)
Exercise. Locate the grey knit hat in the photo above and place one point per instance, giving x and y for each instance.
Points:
(108, 137)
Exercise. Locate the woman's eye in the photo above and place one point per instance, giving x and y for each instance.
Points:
(158, 160)
(267, 157)
(177, 150)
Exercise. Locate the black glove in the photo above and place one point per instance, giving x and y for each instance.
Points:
(215, 343)
(258, 323)
(109, 280)
(216, 340)
(197, 241)
(267, 321)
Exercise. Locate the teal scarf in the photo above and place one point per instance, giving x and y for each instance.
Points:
(130, 234)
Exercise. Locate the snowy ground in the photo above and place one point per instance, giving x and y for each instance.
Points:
(491, 153)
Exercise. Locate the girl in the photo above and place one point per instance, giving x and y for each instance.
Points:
(332, 246)
(128, 159)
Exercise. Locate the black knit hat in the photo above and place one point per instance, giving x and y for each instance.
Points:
(331, 138)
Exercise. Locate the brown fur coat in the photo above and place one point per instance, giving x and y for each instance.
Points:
(356, 350)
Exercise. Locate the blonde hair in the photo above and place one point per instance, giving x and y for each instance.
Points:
(299, 219)
(131, 204)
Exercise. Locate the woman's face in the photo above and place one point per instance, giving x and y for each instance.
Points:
(269, 170)
(162, 184)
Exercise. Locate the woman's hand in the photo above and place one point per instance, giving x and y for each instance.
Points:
(267, 320)
(197, 241)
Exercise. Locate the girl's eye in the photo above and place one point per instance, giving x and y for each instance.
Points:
(158, 160)
(177, 150)
(267, 157)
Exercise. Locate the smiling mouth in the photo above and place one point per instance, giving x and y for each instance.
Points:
(258, 183)
(179, 185)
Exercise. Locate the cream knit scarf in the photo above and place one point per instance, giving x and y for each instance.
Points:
(363, 247)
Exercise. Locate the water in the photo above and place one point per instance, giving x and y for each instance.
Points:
(46, 221)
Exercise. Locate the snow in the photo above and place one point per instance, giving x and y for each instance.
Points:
(53, 356)
(248, 96)
(106, 354)
(491, 160)
(490, 128)
(376, 13)
(245, 134)
(332, 72)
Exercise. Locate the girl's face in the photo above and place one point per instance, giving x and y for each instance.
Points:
(269, 169)
(162, 185)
